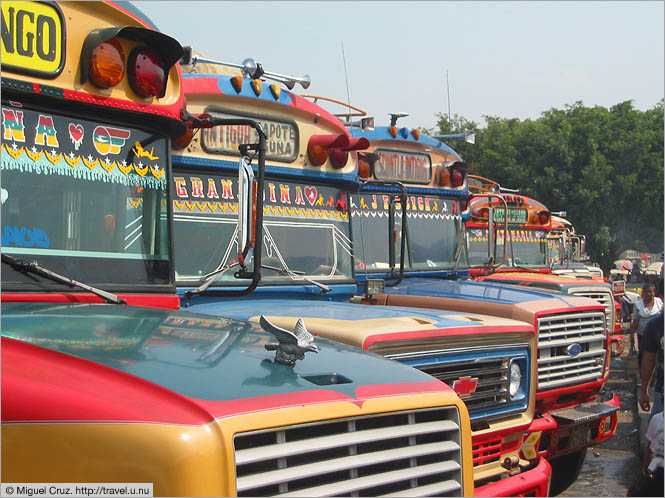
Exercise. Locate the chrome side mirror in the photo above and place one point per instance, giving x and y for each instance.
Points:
(246, 211)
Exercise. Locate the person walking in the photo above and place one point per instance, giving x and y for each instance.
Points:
(644, 309)
(651, 371)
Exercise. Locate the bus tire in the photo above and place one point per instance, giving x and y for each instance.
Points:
(565, 470)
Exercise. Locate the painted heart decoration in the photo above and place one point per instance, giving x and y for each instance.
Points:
(76, 132)
(311, 194)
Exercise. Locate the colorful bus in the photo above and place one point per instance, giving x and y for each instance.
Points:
(435, 275)
(528, 226)
(524, 260)
(567, 257)
(307, 265)
(567, 251)
(103, 379)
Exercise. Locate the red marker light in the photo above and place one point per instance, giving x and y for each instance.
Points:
(146, 72)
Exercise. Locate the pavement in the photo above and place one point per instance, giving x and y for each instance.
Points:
(613, 466)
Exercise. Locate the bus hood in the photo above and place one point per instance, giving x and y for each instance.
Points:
(362, 325)
(120, 363)
(498, 299)
(545, 280)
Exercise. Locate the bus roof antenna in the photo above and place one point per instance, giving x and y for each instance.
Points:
(346, 78)
(394, 116)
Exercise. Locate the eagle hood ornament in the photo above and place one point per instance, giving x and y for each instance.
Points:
(291, 346)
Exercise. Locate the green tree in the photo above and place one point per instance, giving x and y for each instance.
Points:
(604, 167)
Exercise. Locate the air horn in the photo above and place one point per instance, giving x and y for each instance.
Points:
(249, 68)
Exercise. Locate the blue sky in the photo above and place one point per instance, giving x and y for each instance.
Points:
(506, 59)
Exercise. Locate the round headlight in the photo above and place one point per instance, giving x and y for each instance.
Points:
(515, 379)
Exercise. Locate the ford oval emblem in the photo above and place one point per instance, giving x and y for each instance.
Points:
(574, 349)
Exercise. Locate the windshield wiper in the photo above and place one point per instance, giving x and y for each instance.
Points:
(297, 273)
(209, 279)
(24, 266)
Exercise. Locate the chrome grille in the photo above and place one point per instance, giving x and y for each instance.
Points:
(556, 366)
(489, 367)
(603, 296)
(410, 453)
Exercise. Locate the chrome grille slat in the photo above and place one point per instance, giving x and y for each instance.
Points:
(562, 361)
(568, 339)
(470, 372)
(357, 483)
(565, 382)
(575, 322)
(346, 463)
(556, 367)
(569, 326)
(439, 489)
(372, 455)
(564, 369)
(487, 405)
(252, 455)
(488, 394)
(604, 297)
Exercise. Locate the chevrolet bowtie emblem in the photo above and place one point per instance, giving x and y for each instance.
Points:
(465, 386)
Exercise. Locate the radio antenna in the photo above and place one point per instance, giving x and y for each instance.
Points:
(346, 78)
(448, 90)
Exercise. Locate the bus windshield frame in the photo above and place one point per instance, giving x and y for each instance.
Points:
(434, 233)
(528, 247)
(96, 211)
(306, 232)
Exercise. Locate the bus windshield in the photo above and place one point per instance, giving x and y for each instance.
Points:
(434, 230)
(305, 230)
(528, 248)
(94, 210)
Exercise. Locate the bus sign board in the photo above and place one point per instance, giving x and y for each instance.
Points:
(515, 215)
(281, 144)
(33, 38)
(403, 166)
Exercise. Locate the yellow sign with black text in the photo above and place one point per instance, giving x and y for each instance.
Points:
(33, 35)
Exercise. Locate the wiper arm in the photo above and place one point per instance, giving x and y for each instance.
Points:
(283, 270)
(24, 266)
(321, 286)
(297, 273)
(209, 279)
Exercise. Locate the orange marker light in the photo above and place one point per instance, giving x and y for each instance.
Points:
(393, 131)
(257, 86)
(107, 64)
(364, 168)
(276, 90)
(444, 177)
(317, 155)
(319, 146)
(236, 82)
